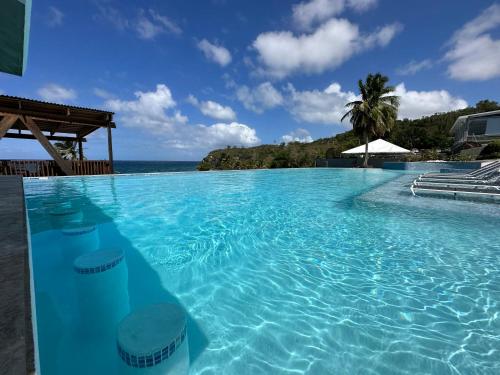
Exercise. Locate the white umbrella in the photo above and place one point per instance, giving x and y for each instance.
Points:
(378, 147)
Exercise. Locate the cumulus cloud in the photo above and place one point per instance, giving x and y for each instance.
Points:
(55, 17)
(298, 135)
(215, 53)
(282, 53)
(258, 99)
(328, 106)
(56, 93)
(474, 54)
(156, 112)
(307, 13)
(416, 104)
(413, 67)
(149, 110)
(218, 135)
(319, 106)
(213, 109)
(151, 23)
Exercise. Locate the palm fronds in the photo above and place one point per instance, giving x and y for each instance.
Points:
(376, 112)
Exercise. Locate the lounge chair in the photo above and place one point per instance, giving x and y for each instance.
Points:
(481, 173)
(475, 188)
(491, 178)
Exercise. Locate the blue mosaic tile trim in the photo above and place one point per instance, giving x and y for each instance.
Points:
(79, 232)
(99, 269)
(152, 359)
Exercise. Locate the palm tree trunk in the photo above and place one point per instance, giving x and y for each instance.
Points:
(365, 160)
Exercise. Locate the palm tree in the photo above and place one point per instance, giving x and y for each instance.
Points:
(376, 112)
(67, 149)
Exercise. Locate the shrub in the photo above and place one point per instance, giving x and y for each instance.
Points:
(432, 154)
(491, 151)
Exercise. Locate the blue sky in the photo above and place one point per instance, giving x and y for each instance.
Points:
(184, 77)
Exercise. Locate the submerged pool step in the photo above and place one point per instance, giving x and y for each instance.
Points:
(79, 238)
(153, 340)
(102, 290)
(64, 214)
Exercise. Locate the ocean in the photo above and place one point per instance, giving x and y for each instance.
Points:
(129, 166)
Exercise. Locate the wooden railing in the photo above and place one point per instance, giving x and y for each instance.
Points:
(90, 167)
(46, 168)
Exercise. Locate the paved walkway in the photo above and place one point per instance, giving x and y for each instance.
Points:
(16, 339)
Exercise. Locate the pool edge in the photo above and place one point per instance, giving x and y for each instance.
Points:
(18, 354)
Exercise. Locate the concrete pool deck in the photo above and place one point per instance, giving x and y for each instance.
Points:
(16, 335)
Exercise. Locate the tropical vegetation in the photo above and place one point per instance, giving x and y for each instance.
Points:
(376, 112)
(67, 150)
(430, 135)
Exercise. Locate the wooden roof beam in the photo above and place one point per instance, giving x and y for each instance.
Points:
(72, 119)
(63, 164)
(49, 137)
(6, 124)
(84, 133)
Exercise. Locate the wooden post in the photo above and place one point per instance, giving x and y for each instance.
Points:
(6, 124)
(80, 149)
(37, 133)
(110, 150)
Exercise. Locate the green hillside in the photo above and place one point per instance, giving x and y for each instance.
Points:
(427, 133)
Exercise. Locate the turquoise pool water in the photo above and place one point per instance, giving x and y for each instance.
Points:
(318, 271)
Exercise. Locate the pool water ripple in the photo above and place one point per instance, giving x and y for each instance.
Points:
(302, 271)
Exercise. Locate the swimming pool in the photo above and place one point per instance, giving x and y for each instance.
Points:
(281, 271)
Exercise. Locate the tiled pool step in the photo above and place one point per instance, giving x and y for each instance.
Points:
(154, 337)
(101, 279)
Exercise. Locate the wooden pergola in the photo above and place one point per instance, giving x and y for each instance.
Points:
(32, 119)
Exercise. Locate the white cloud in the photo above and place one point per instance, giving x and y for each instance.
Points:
(282, 53)
(361, 5)
(156, 112)
(308, 13)
(298, 135)
(259, 98)
(55, 17)
(416, 104)
(151, 23)
(101, 93)
(474, 54)
(167, 23)
(215, 53)
(413, 67)
(56, 93)
(213, 109)
(147, 24)
(149, 110)
(319, 107)
(215, 136)
(328, 106)
(110, 15)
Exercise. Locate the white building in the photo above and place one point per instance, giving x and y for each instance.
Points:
(479, 127)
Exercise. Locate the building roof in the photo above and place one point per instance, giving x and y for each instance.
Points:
(14, 35)
(378, 146)
(54, 118)
(463, 119)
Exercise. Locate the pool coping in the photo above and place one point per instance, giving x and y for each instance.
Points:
(17, 354)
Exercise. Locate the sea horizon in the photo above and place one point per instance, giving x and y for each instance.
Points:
(152, 166)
